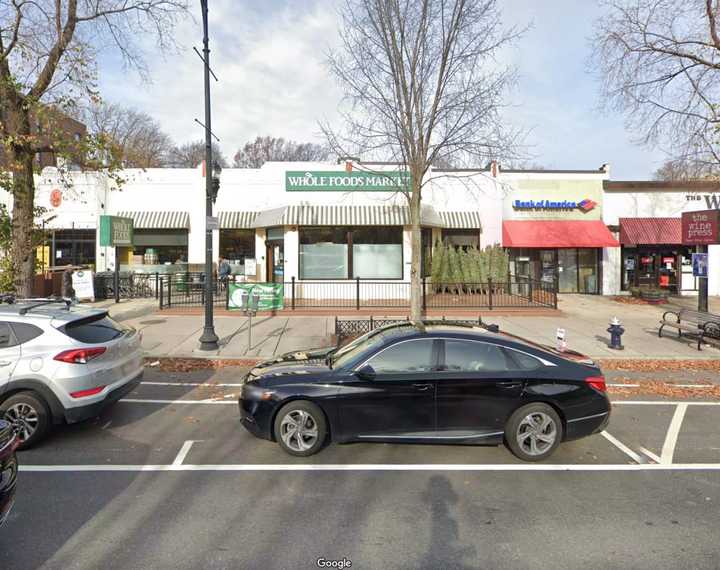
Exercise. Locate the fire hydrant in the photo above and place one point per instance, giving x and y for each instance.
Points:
(616, 331)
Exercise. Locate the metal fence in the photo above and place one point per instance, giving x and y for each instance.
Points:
(132, 285)
(350, 328)
(188, 290)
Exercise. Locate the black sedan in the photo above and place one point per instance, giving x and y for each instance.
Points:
(8, 469)
(427, 383)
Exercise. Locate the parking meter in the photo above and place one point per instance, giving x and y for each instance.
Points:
(250, 303)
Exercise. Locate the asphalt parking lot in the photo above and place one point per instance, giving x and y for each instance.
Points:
(168, 477)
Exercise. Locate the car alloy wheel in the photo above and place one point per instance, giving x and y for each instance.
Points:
(24, 419)
(299, 430)
(536, 433)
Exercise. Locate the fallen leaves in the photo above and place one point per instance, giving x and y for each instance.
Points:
(192, 364)
(637, 365)
(665, 389)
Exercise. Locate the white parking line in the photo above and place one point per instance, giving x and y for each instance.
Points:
(622, 447)
(207, 384)
(184, 450)
(650, 454)
(373, 467)
(660, 403)
(174, 402)
(668, 448)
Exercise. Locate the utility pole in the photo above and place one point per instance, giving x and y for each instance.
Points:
(208, 339)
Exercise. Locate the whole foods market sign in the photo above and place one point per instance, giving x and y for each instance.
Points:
(116, 231)
(337, 181)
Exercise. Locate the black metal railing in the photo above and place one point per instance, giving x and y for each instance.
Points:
(132, 285)
(188, 290)
(351, 328)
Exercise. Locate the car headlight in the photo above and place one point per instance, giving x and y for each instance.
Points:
(251, 392)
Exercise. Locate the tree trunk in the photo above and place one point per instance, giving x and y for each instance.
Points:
(23, 191)
(416, 308)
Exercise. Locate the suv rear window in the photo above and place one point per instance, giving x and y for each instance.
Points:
(91, 330)
(25, 332)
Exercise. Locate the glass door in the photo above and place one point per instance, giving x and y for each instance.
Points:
(275, 261)
(567, 271)
(647, 273)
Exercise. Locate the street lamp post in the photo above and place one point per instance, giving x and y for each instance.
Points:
(208, 339)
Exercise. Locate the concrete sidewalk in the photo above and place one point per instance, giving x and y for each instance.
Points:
(584, 318)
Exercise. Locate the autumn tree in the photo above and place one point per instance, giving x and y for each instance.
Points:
(659, 63)
(133, 138)
(263, 149)
(423, 85)
(192, 154)
(48, 62)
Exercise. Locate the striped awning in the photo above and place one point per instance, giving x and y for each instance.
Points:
(237, 220)
(461, 220)
(158, 220)
(307, 215)
(650, 231)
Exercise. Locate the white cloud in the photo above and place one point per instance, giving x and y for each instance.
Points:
(271, 69)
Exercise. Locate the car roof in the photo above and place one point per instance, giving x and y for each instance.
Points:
(56, 311)
(411, 328)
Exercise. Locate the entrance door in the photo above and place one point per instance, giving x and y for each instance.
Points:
(275, 261)
(647, 270)
(567, 271)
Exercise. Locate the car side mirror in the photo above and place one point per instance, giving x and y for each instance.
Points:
(366, 372)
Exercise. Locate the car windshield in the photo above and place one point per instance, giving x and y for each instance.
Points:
(360, 345)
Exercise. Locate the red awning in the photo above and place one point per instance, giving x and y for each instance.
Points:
(650, 231)
(557, 233)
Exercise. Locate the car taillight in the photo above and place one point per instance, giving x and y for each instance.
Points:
(597, 382)
(79, 355)
(86, 393)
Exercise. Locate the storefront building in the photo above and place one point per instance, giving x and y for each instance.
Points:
(552, 226)
(646, 217)
(324, 223)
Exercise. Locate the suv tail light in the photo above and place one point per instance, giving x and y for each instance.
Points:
(597, 382)
(79, 355)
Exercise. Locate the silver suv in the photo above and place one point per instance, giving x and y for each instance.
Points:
(62, 363)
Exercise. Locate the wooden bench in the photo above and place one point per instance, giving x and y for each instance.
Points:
(705, 325)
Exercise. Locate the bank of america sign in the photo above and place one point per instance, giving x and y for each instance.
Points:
(337, 181)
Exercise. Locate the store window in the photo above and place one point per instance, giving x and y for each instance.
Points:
(324, 253)
(161, 246)
(73, 247)
(236, 245)
(377, 253)
(462, 238)
(343, 253)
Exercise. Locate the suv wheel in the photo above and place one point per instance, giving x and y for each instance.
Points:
(300, 428)
(533, 432)
(28, 415)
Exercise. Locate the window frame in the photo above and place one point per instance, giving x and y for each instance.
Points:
(12, 339)
(434, 359)
(442, 354)
(349, 242)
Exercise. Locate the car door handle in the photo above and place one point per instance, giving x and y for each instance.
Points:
(5, 363)
(509, 385)
(422, 387)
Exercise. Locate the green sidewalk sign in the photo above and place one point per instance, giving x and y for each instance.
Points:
(272, 295)
(116, 231)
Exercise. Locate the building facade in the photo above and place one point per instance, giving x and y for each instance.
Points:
(328, 222)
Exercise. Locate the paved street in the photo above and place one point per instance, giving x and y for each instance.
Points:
(168, 478)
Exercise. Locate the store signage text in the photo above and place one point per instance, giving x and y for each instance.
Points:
(116, 231)
(712, 201)
(337, 181)
(584, 205)
(701, 228)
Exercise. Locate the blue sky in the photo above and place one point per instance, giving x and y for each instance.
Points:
(269, 56)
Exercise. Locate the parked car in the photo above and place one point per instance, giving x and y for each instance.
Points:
(427, 383)
(61, 362)
(8, 469)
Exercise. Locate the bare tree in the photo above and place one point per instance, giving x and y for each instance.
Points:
(190, 155)
(48, 52)
(683, 170)
(423, 85)
(263, 149)
(659, 61)
(133, 138)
